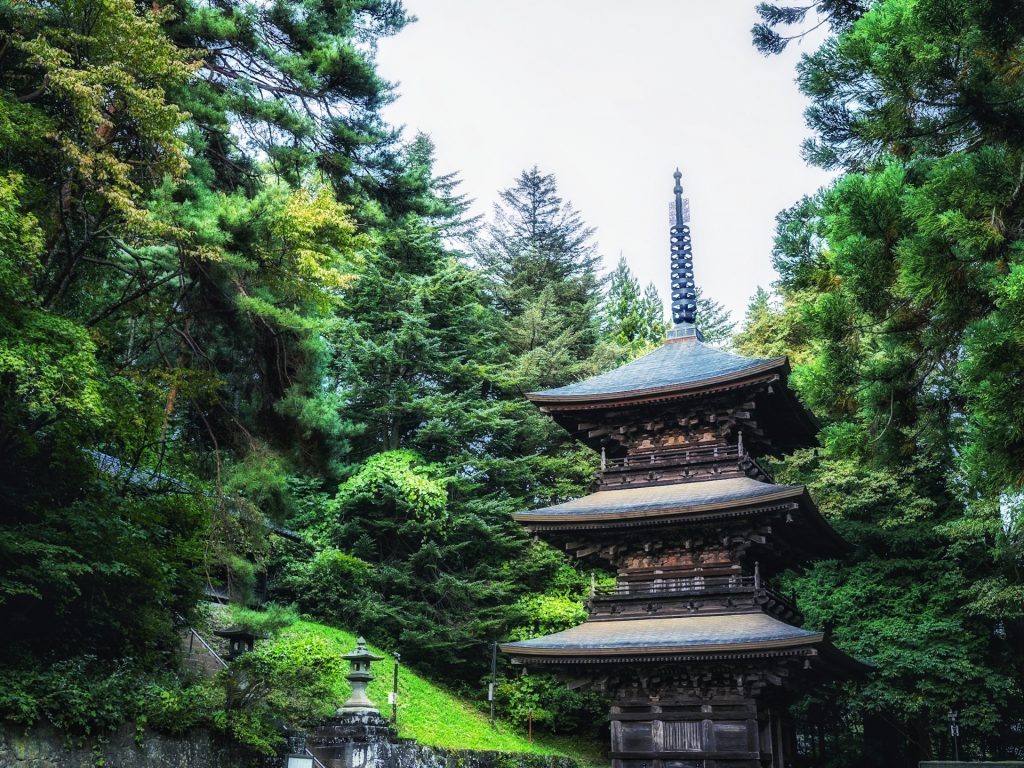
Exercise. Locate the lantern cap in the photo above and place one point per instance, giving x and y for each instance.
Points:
(361, 654)
(238, 632)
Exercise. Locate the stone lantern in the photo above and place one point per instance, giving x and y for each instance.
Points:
(360, 676)
(240, 641)
(357, 735)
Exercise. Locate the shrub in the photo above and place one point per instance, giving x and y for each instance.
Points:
(556, 709)
(287, 682)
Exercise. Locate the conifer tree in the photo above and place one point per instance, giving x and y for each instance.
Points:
(631, 318)
(899, 300)
(171, 256)
(541, 264)
(714, 320)
(537, 241)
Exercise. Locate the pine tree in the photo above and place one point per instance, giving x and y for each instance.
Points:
(838, 14)
(541, 263)
(653, 313)
(714, 320)
(630, 318)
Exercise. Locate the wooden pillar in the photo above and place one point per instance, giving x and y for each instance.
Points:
(779, 751)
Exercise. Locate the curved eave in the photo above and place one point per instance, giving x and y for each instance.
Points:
(514, 649)
(681, 511)
(841, 660)
(829, 543)
(825, 656)
(822, 525)
(778, 365)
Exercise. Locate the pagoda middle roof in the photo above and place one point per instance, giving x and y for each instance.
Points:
(674, 635)
(664, 500)
(676, 365)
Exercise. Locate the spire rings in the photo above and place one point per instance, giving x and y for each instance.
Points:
(684, 289)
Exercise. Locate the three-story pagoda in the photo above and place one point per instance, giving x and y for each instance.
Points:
(698, 654)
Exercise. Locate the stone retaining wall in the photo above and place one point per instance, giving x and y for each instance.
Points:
(46, 748)
(409, 754)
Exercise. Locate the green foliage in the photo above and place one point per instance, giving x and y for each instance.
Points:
(552, 707)
(269, 621)
(899, 306)
(286, 681)
(89, 698)
(98, 77)
(400, 482)
(632, 319)
(769, 40)
(714, 320)
(175, 708)
(545, 613)
(326, 584)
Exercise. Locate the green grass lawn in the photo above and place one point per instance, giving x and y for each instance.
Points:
(433, 715)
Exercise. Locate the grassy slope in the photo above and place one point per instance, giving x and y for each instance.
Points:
(432, 715)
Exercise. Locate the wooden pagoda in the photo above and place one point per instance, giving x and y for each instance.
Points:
(698, 654)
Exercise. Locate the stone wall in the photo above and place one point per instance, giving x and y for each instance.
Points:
(435, 757)
(361, 738)
(46, 748)
(964, 764)
(410, 754)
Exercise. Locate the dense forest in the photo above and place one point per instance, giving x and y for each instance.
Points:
(253, 343)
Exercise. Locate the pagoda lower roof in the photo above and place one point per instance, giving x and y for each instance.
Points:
(672, 636)
(678, 499)
(679, 364)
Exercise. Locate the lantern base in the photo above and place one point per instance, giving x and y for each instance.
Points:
(355, 726)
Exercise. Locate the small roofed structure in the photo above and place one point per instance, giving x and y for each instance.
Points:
(240, 641)
(698, 653)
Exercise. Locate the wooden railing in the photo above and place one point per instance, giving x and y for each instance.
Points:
(682, 586)
(615, 471)
(672, 458)
(677, 585)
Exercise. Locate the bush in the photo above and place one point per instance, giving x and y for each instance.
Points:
(286, 682)
(545, 614)
(556, 709)
(331, 579)
(85, 696)
(174, 709)
(265, 623)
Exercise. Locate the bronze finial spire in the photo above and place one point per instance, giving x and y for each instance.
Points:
(684, 290)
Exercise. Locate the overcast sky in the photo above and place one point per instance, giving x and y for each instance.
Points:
(611, 96)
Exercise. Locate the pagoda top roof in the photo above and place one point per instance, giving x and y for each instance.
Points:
(674, 635)
(680, 364)
(664, 500)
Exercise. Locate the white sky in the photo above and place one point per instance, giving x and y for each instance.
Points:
(611, 96)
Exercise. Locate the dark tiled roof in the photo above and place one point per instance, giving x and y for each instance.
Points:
(686, 634)
(678, 364)
(652, 501)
